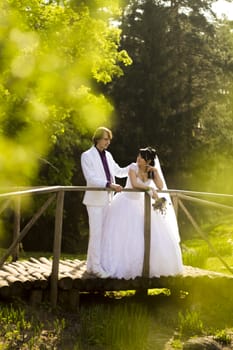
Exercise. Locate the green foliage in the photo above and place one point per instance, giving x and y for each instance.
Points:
(196, 251)
(114, 324)
(18, 329)
(222, 337)
(50, 55)
(196, 257)
(122, 327)
(175, 96)
(176, 344)
(190, 324)
(53, 54)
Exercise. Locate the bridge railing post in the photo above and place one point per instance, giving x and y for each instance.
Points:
(17, 201)
(57, 248)
(147, 235)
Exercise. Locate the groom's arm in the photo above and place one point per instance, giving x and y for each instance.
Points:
(90, 172)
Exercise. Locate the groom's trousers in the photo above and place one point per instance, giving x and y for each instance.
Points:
(96, 215)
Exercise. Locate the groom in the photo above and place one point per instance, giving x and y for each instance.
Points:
(99, 169)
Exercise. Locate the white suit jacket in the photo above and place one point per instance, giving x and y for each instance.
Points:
(95, 176)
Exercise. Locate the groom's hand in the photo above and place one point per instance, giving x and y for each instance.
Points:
(116, 187)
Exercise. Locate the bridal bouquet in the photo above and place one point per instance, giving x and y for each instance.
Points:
(160, 204)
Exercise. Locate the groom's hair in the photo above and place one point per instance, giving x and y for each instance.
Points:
(99, 133)
(149, 154)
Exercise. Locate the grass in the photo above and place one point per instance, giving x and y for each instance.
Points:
(111, 325)
(197, 252)
(125, 320)
(22, 327)
(190, 323)
(104, 323)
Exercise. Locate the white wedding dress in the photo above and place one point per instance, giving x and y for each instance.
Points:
(123, 236)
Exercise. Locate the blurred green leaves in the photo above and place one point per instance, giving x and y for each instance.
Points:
(50, 56)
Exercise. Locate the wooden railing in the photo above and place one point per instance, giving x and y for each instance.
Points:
(58, 192)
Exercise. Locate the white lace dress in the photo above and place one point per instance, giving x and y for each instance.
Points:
(123, 237)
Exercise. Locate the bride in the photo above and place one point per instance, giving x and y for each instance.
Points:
(123, 231)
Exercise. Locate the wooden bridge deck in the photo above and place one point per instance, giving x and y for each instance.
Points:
(31, 279)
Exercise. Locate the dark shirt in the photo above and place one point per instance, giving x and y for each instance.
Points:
(105, 165)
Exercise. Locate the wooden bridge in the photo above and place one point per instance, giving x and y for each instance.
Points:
(31, 280)
(62, 281)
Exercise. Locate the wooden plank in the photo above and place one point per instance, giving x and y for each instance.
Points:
(15, 253)
(65, 282)
(70, 284)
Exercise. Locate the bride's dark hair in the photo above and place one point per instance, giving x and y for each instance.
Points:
(148, 154)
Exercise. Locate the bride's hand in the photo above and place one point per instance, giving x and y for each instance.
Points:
(153, 193)
(153, 169)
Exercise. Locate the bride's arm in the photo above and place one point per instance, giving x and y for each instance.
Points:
(133, 180)
(157, 179)
(135, 184)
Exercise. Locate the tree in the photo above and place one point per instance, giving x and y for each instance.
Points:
(213, 135)
(52, 53)
(177, 70)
